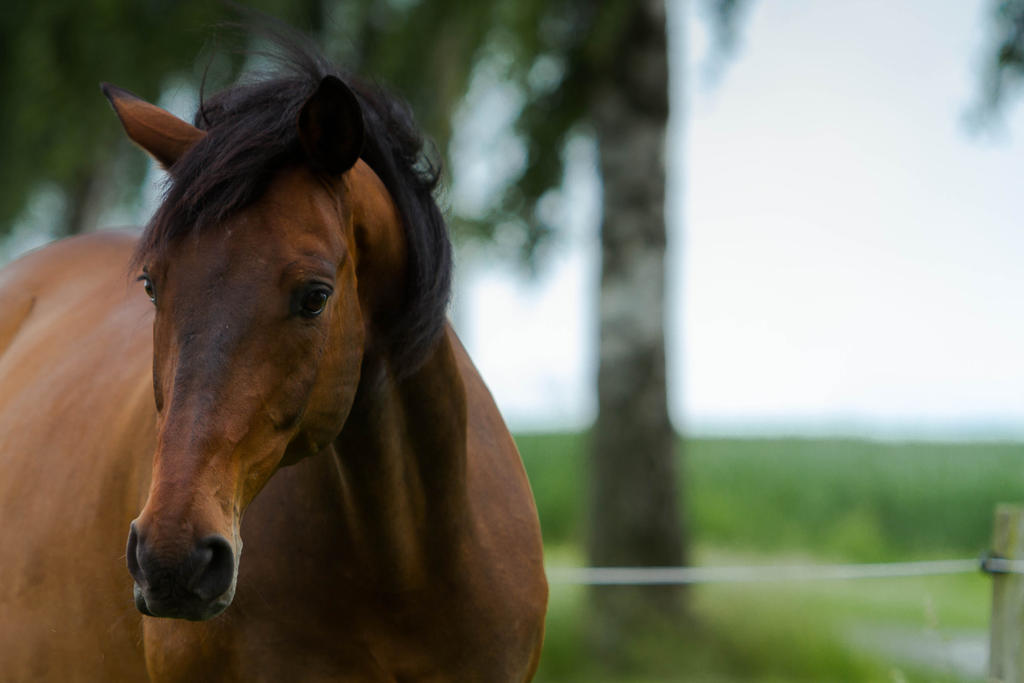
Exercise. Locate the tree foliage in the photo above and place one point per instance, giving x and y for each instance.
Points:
(54, 126)
(1004, 63)
(54, 129)
(549, 51)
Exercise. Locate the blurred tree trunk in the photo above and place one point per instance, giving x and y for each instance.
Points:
(84, 196)
(634, 512)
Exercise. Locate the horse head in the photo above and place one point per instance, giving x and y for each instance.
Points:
(272, 258)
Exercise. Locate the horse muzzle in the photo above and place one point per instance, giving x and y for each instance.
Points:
(200, 585)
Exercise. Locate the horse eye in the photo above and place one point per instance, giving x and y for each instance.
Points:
(147, 285)
(314, 301)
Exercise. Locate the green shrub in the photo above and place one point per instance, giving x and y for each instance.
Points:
(847, 499)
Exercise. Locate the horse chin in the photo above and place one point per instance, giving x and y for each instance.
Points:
(140, 602)
(192, 611)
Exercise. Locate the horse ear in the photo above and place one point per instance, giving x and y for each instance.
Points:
(331, 127)
(162, 134)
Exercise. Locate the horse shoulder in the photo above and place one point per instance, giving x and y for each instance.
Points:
(506, 523)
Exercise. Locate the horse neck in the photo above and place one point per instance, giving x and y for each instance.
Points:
(402, 463)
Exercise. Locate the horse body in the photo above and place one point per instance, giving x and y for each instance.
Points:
(364, 562)
(389, 531)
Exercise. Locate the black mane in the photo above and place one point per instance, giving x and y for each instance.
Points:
(252, 133)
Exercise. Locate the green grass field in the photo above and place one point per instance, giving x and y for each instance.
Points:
(771, 501)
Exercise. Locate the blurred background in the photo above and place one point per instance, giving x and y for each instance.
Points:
(742, 275)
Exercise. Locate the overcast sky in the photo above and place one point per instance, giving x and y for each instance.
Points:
(846, 252)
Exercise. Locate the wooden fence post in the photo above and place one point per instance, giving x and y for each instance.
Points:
(1006, 641)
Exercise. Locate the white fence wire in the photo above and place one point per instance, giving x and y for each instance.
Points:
(655, 576)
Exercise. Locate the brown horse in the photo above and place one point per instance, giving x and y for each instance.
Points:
(290, 323)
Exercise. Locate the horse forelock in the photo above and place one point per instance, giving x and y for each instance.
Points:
(251, 134)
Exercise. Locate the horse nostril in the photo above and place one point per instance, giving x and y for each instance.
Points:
(213, 564)
(132, 554)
